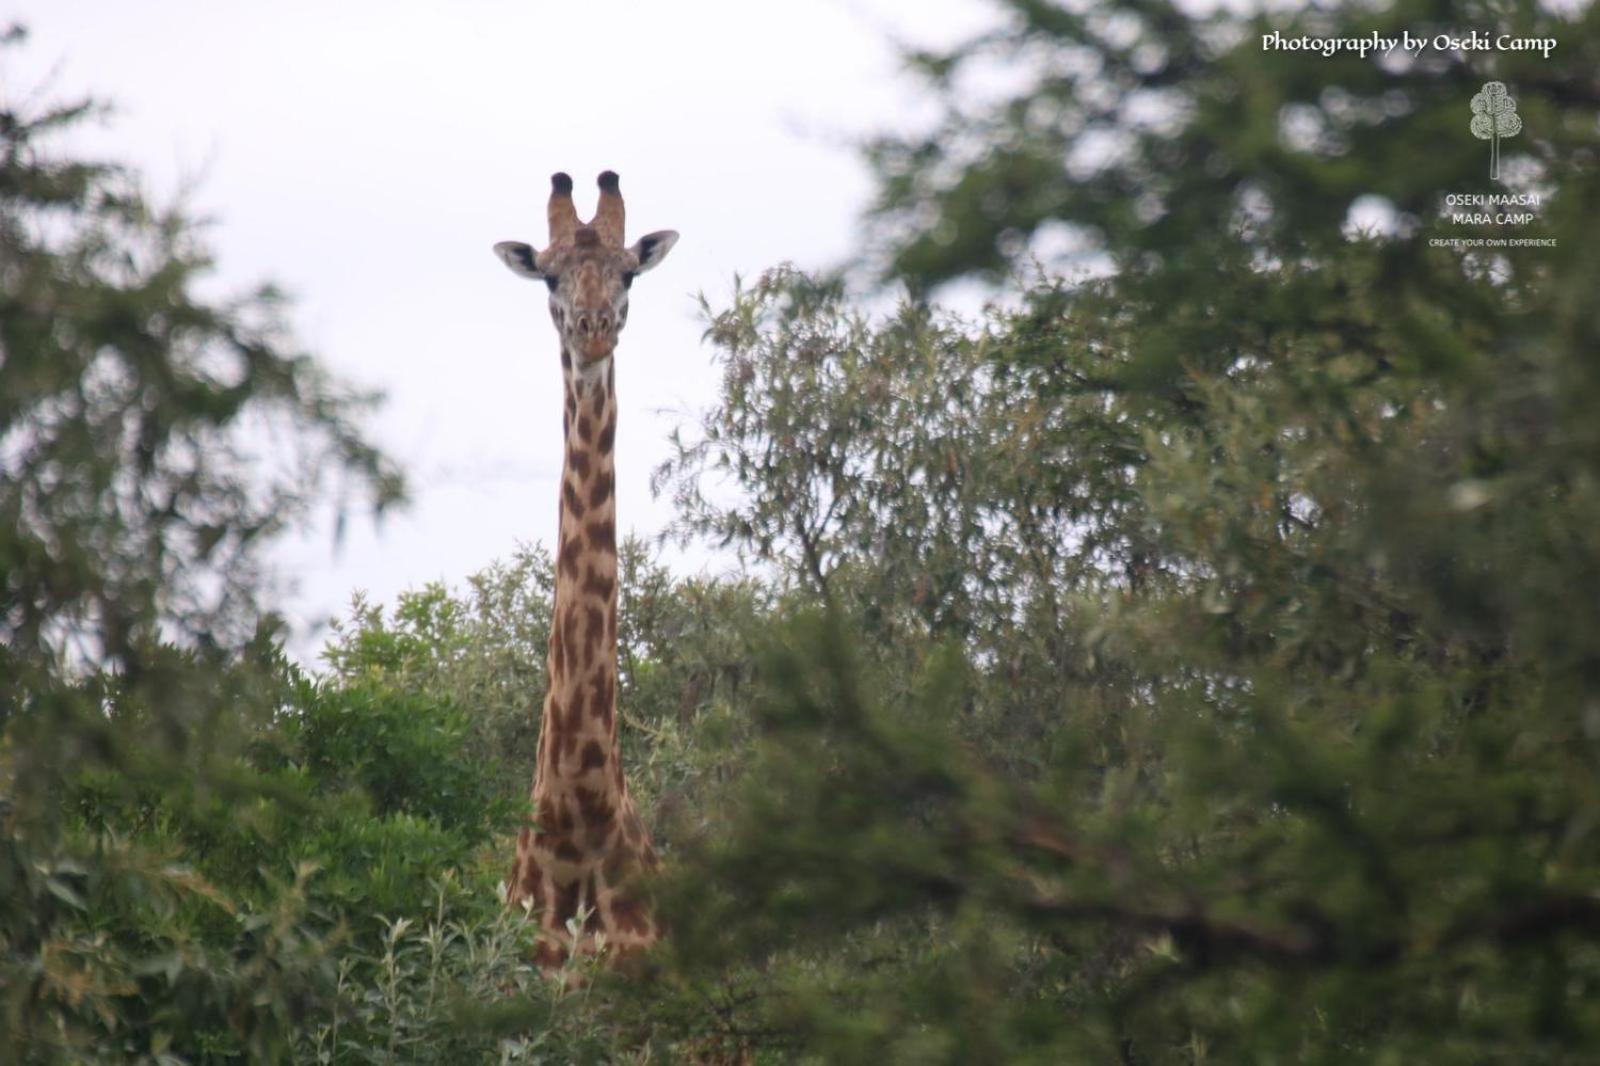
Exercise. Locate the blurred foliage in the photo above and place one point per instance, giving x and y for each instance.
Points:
(135, 500)
(1272, 731)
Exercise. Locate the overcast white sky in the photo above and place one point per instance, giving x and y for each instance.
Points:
(366, 155)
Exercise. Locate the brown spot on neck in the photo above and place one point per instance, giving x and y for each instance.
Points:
(598, 585)
(599, 492)
(601, 536)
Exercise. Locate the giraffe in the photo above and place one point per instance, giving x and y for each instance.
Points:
(587, 842)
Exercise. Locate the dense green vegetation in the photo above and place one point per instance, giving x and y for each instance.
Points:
(1197, 661)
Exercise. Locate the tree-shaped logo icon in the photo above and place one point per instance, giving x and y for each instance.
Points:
(1494, 115)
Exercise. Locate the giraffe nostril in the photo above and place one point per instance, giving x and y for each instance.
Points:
(583, 322)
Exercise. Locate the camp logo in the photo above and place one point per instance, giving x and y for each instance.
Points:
(1494, 115)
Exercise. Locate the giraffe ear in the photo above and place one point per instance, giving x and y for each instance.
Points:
(521, 258)
(653, 247)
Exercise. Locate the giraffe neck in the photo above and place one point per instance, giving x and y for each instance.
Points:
(587, 842)
(580, 728)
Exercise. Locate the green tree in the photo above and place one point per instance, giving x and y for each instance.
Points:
(480, 650)
(1313, 774)
(135, 502)
(908, 471)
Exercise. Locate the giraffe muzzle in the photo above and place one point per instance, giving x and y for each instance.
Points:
(597, 323)
(595, 334)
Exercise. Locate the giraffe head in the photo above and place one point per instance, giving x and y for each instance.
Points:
(587, 268)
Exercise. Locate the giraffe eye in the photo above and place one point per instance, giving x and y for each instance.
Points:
(627, 280)
(551, 281)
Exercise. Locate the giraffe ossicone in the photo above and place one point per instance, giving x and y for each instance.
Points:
(577, 865)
